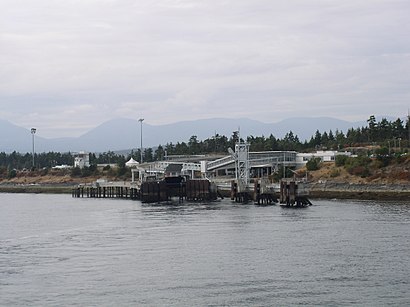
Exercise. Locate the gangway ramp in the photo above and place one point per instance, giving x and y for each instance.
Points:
(258, 159)
(212, 165)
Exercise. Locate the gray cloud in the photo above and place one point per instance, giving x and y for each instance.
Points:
(70, 65)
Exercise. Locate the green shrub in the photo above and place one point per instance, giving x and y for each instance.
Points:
(313, 164)
(359, 170)
(3, 172)
(12, 173)
(335, 172)
(383, 156)
(340, 160)
(44, 171)
(377, 164)
(121, 171)
(76, 172)
(358, 166)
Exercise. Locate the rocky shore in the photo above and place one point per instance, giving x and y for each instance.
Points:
(399, 191)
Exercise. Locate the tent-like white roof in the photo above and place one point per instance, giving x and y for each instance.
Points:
(131, 163)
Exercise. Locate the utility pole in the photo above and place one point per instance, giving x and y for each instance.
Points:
(408, 126)
(141, 120)
(215, 143)
(33, 131)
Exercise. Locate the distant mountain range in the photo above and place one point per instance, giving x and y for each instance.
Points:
(122, 134)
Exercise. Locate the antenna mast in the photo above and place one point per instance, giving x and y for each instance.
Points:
(408, 126)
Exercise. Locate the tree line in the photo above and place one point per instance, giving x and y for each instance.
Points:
(386, 134)
(381, 133)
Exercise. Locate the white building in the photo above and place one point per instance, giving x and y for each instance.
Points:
(82, 159)
(325, 156)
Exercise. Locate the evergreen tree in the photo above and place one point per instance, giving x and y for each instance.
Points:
(372, 124)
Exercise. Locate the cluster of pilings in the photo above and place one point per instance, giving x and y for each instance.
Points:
(291, 197)
(239, 196)
(260, 195)
(264, 194)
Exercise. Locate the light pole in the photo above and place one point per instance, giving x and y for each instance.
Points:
(141, 120)
(284, 167)
(408, 128)
(33, 131)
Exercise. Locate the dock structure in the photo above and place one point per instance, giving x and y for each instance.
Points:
(151, 191)
(106, 190)
(286, 193)
(261, 191)
(185, 179)
(242, 190)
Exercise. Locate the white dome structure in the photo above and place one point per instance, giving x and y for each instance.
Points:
(131, 163)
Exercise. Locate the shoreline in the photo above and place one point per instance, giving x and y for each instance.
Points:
(359, 191)
(48, 188)
(329, 190)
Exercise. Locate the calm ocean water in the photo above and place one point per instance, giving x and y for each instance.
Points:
(57, 250)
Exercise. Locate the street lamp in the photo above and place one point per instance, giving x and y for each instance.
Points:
(33, 131)
(141, 120)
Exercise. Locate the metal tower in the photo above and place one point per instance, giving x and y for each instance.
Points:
(242, 165)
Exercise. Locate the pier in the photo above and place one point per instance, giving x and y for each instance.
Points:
(151, 191)
(261, 192)
(106, 190)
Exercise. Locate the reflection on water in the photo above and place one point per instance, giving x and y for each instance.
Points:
(55, 250)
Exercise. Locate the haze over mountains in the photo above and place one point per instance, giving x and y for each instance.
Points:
(122, 133)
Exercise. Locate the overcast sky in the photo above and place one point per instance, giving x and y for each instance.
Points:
(68, 66)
